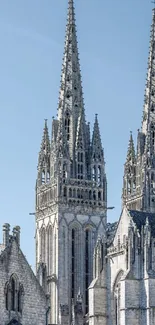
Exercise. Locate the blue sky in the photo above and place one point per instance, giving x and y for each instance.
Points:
(113, 44)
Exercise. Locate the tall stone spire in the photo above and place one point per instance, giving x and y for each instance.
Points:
(143, 196)
(71, 96)
(71, 208)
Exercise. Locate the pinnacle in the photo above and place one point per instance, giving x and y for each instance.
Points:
(131, 149)
(45, 144)
(97, 150)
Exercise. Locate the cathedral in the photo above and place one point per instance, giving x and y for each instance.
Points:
(88, 271)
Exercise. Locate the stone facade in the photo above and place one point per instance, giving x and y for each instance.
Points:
(71, 191)
(22, 299)
(123, 292)
(139, 171)
(123, 289)
(88, 271)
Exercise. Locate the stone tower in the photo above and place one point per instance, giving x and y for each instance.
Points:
(139, 172)
(71, 191)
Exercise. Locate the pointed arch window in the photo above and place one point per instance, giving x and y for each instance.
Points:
(117, 296)
(73, 261)
(65, 191)
(74, 192)
(43, 177)
(6, 291)
(13, 293)
(99, 195)
(50, 250)
(64, 170)
(86, 267)
(78, 194)
(94, 174)
(43, 245)
(20, 298)
(129, 186)
(70, 192)
(99, 175)
(67, 125)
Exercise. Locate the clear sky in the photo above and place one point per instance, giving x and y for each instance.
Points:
(113, 44)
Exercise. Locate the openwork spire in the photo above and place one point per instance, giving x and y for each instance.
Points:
(71, 98)
(149, 102)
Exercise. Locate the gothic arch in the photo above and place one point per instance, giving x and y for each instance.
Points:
(75, 235)
(116, 294)
(117, 278)
(42, 243)
(14, 293)
(49, 244)
(89, 226)
(75, 224)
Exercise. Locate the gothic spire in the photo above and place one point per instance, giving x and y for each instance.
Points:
(97, 150)
(149, 102)
(131, 151)
(70, 98)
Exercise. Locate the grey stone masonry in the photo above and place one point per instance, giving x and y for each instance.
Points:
(71, 190)
(21, 296)
(139, 170)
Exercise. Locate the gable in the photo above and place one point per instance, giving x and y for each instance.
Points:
(123, 224)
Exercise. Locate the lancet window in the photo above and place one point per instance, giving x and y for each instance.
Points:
(88, 251)
(73, 262)
(43, 244)
(67, 125)
(43, 177)
(14, 293)
(117, 297)
(86, 267)
(80, 168)
(99, 175)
